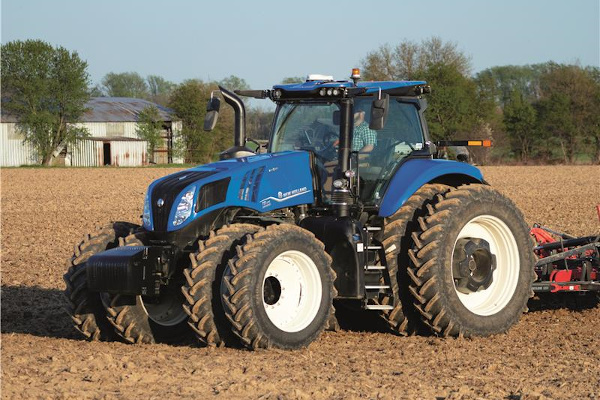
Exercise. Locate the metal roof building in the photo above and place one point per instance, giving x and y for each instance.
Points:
(111, 123)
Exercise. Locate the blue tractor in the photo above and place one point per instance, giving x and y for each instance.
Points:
(348, 206)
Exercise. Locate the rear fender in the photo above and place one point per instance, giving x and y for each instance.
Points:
(417, 172)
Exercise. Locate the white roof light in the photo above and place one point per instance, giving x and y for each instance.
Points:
(318, 77)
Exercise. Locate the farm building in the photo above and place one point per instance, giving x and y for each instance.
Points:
(111, 123)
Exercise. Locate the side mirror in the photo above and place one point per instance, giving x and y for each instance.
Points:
(212, 113)
(379, 112)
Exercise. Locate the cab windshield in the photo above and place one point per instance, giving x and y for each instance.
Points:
(306, 126)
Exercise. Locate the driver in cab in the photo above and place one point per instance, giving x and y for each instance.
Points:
(364, 138)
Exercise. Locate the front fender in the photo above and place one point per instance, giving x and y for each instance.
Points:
(415, 173)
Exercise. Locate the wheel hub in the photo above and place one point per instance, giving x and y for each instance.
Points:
(166, 310)
(291, 291)
(272, 290)
(473, 265)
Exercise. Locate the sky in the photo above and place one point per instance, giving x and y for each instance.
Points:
(264, 41)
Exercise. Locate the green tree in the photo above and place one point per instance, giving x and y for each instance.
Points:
(408, 58)
(521, 124)
(555, 120)
(125, 84)
(293, 79)
(453, 111)
(569, 107)
(159, 89)
(149, 128)
(188, 100)
(259, 123)
(96, 91)
(504, 80)
(594, 74)
(233, 82)
(46, 88)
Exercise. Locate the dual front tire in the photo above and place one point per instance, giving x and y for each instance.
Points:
(84, 306)
(133, 319)
(278, 289)
(263, 287)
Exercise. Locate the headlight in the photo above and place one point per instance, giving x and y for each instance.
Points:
(146, 215)
(184, 208)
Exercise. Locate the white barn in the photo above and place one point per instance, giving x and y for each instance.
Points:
(111, 123)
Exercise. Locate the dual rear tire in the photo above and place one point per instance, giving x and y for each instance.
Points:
(470, 263)
(202, 288)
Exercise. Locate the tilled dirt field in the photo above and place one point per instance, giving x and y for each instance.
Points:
(554, 351)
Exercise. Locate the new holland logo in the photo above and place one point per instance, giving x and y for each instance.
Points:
(160, 202)
(283, 196)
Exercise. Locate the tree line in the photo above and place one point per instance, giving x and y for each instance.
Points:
(542, 113)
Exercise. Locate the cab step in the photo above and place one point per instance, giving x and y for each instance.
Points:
(378, 307)
(376, 287)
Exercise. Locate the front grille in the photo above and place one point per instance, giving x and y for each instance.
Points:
(166, 189)
(212, 193)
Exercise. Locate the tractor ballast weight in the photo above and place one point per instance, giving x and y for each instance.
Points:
(349, 204)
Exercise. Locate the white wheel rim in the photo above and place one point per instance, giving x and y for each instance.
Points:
(299, 297)
(503, 245)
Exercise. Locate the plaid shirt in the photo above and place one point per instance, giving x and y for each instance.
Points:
(363, 136)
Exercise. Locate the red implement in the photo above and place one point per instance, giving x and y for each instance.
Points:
(565, 262)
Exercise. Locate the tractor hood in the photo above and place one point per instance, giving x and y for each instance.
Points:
(262, 183)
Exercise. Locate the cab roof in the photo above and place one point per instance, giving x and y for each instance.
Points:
(371, 86)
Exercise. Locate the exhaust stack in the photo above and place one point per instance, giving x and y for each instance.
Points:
(239, 148)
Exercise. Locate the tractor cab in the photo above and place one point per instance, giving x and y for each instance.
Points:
(315, 125)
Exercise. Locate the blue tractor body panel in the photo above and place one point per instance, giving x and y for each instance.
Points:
(417, 172)
(262, 183)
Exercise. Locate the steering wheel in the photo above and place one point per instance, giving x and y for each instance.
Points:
(329, 150)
